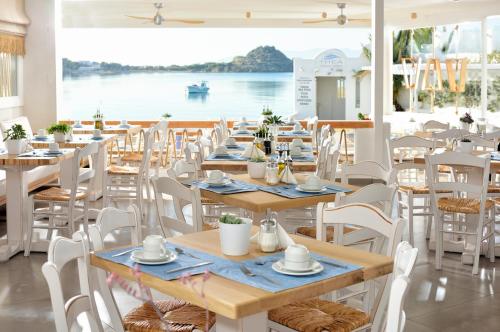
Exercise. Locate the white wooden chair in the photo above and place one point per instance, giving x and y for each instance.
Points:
(411, 178)
(143, 317)
(128, 182)
(327, 160)
(62, 251)
(446, 137)
(219, 135)
(312, 126)
(63, 212)
(433, 125)
(186, 207)
(467, 198)
(367, 170)
(298, 316)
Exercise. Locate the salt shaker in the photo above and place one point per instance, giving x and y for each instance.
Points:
(268, 235)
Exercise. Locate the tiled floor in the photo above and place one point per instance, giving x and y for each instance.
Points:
(447, 300)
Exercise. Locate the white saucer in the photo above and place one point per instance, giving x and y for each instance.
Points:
(138, 257)
(310, 190)
(225, 182)
(280, 268)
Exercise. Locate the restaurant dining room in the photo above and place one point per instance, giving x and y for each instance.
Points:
(343, 175)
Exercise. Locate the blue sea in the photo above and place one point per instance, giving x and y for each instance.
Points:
(144, 96)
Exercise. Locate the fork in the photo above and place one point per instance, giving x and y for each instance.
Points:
(249, 273)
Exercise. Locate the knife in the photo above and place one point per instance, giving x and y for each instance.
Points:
(188, 267)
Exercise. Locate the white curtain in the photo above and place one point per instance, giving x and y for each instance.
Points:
(8, 75)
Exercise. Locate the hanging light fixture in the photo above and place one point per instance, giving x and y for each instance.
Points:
(454, 66)
(433, 78)
(411, 75)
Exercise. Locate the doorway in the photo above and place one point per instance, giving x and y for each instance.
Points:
(330, 98)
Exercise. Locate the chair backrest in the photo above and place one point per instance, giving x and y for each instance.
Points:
(62, 251)
(433, 125)
(312, 125)
(482, 143)
(181, 197)
(396, 317)
(377, 194)
(324, 134)
(450, 134)
(451, 184)
(332, 161)
(79, 175)
(219, 136)
(401, 151)
(183, 171)
(366, 169)
(326, 160)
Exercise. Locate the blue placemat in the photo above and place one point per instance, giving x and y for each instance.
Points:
(495, 156)
(160, 270)
(97, 138)
(289, 191)
(232, 271)
(235, 187)
(235, 157)
(303, 158)
(235, 147)
(40, 154)
(41, 138)
(243, 133)
(294, 133)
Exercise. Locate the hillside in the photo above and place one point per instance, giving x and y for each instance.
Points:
(263, 59)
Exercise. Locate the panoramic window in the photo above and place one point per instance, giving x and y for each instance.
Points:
(8, 75)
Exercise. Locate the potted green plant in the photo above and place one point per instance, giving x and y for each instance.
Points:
(60, 131)
(261, 132)
(234, 234)
(166, 116)
(362, 116)
(466, 120)
(15, 139)
(256, 167)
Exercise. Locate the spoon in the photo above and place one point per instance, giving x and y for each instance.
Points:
(180, 251)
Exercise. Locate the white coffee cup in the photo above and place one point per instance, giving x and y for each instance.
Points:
(215, 176)
(297, 127)
(41, 132)
(53, 147)
(123, 122)
(229, 141)
(295, 151)
(153, 246)
(297, 257)
(312, 182)
(219, 150)
(297, 142)
(97, 133)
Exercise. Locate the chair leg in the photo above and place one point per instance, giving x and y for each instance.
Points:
(51, 220)
(86, 216)
(477, 248)
(29, 231)
(492, 240)
(410, 218)
(428, 202)
(439, 241)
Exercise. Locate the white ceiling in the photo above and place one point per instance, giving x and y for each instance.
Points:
(270, 13)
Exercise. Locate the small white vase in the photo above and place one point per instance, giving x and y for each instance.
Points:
(465, 126)
(256, 170)
(235, 238)
(59, 137)
(15, 146)
(465, 147)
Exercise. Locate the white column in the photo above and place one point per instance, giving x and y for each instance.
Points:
(387, 71)
(484, 67)
(377, 79)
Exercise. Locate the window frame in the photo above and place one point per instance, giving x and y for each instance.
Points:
(15, 101)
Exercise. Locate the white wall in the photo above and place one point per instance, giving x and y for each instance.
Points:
(40, 66)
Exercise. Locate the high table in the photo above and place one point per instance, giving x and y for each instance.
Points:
(17, 199)
(80, 141)
(243, 308)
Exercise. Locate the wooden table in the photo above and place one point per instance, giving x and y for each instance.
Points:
(262, 202)
(244, 308)
(115, 130)
(80, 141)
(241, 166)
(254, 127)
(17, 199)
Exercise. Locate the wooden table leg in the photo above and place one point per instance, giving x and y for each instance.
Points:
(253, 323)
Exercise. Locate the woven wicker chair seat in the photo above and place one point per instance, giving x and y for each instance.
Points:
(494, 189)
(59, 195)
(210, 226)
(419, 189)
(310, 231)
(317, 315)
(462, 205)
(136, 157)
(182, 317)
(123, 170)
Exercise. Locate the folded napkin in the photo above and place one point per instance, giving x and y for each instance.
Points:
(287, 176)
(251, 151)
(284, 238)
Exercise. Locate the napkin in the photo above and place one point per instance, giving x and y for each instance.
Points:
(251, 151)
(287, 176)
(284, 238)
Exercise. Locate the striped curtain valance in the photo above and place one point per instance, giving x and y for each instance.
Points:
(11, 44)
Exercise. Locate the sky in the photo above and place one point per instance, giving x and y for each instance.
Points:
(188, 46)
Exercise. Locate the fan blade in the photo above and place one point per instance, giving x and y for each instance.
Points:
(140, 17)
(320, 21)
(185, 21)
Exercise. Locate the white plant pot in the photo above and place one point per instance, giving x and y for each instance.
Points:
(465, 126)
(235, 238)
(16, 146)
(59, 137)
(465, 147)
(256, 170)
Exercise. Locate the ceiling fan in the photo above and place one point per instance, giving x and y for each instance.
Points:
(158, 19)
(341, 19)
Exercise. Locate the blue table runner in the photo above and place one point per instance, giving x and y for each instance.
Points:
(235, 187)
(289, 191)
(230, 157)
